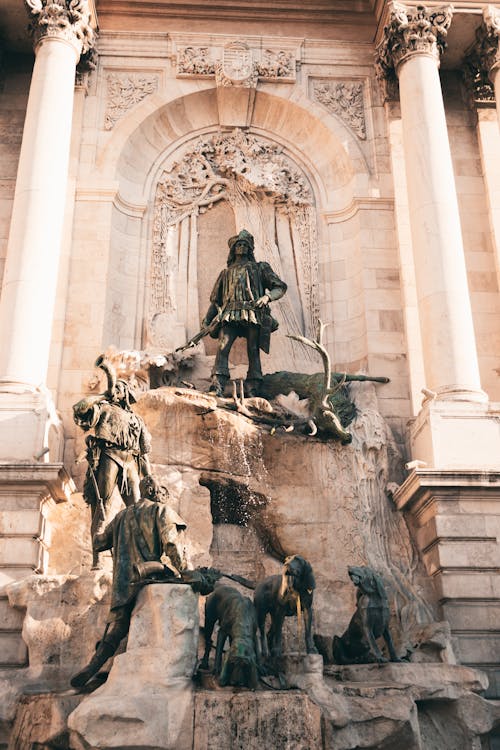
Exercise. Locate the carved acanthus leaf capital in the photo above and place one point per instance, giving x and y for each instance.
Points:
(412, 30)
(486, 51)
(69, 20)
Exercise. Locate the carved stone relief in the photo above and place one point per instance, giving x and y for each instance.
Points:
(236, 64)
(410, 30)
(67, 19)
(194, 61)
(344, 99)
(269, 195)
(125, 90)
(483, 58)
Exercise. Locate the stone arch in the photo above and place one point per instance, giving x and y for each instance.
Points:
(141, 144)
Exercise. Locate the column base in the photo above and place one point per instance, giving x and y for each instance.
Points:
(456, 435)
(453, 517)
(26, 494)
(30, 428)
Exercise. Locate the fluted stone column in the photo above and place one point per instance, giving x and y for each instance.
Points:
(413, 40)
(61, 33)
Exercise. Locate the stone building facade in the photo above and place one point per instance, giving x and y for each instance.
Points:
(358, 141)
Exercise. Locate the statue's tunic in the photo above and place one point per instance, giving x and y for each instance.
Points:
(237, 289)
(143, 532)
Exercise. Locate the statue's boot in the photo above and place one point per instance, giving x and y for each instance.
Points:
(252, 387)
(103, 653)
(218, 384)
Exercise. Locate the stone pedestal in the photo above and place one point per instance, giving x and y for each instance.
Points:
(228, 719)
(30, 428)
(456, 435)
(147, 701)
(454, 517)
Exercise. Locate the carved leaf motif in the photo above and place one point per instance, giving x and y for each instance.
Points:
(412, 29)
(66, 19)
(195, 61)
(344, 100)
(201, 179)
(125, 90)
(279, 64)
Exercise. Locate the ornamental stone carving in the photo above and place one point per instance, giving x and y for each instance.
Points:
(194, 61)
(277, 65)
(410, 31)
(484, 58)
(204, 176)
(125, 90)
(65, 19)
(345, 100)
(236, 64)
(237, 67)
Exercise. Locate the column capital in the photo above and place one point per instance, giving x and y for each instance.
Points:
(67, 20)
(412, 30)
(485, 52)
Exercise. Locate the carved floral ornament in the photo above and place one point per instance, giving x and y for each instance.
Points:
(125, 90)
(236, 65)
(344, 99)
(412, 30)
(66, 19)
(207, 171)
(484, 57)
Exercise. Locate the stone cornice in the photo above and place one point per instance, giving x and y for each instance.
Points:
(411, 30)
(68, 20)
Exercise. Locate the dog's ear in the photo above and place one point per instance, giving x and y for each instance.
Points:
(308, 576)
(368, 583)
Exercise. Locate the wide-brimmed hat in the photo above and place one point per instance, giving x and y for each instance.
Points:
(243, 236)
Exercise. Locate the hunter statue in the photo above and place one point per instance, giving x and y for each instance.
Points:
(239, 307)
(140, 534)
(117, 450)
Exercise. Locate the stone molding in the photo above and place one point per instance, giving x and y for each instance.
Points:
(345, 99)
(124, 91)
(68, 20)
(412, 30)
(236, 64)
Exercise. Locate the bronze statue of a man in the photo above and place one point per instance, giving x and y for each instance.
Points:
(140, 533)
(117, 451)
(240, 301)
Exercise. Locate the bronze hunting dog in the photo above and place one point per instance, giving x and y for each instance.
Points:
(235, 614)
(283, 596)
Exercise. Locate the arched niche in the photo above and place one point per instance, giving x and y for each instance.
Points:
(181, 251)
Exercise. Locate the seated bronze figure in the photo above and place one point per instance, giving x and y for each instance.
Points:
(235, 614)
(285, 595)
(358, 645)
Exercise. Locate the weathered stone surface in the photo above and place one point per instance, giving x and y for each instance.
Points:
(147, 701)
(41, 721)
(241, 720)
(65, 617)
(311, 493)
(427, 681)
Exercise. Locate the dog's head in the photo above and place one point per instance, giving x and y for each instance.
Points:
(367, 580)
(299, 574)
(240, 666)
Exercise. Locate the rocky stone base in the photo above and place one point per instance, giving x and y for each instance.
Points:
(241, 720)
